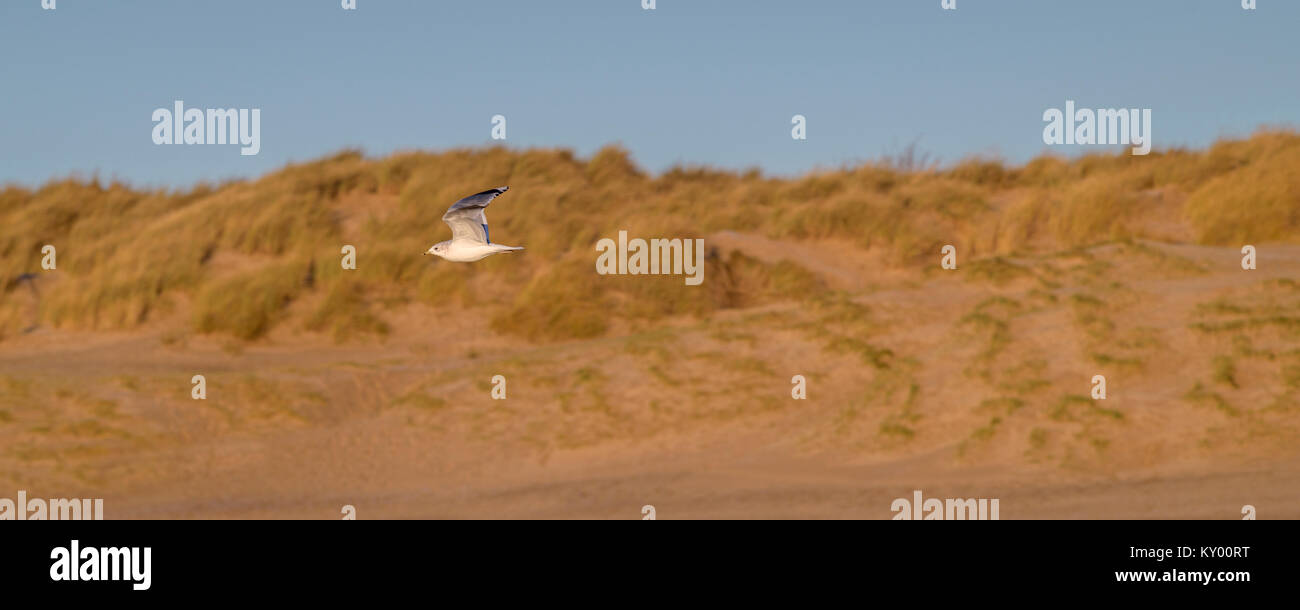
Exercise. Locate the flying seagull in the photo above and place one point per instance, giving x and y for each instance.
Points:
(469, 230)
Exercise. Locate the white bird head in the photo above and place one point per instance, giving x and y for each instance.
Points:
(438, 249)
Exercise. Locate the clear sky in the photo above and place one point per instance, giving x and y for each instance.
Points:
(694, 81)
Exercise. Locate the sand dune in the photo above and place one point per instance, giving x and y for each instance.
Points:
(695, 417)
(373, 389)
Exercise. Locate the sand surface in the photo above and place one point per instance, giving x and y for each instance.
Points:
(972, 383)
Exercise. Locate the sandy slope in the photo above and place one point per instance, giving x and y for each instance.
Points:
(969, 383)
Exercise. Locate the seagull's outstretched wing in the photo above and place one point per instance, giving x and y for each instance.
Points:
(466, 218)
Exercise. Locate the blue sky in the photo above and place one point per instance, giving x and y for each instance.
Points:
(694, 81)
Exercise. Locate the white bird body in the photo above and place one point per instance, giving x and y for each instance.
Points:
(469, 230)
(467, 252)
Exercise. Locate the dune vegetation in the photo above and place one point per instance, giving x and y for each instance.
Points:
(246, 257)
(324, 384)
